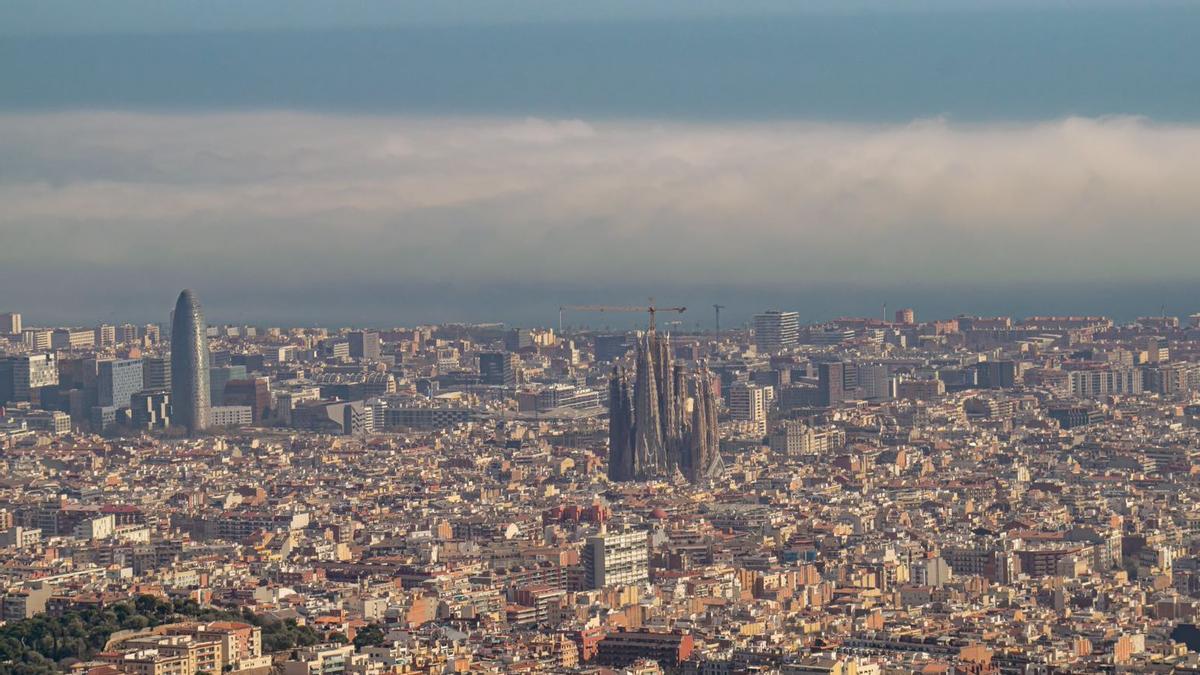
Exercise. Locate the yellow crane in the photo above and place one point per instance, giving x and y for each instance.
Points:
(650, 309)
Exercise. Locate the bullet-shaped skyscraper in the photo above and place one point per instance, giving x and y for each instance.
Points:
(189, 365)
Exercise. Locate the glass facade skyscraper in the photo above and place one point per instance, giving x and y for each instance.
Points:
(117, 380)
(190, 405)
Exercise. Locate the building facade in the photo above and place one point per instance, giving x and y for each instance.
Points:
(775, 330)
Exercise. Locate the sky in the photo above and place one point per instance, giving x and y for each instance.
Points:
(396, 163)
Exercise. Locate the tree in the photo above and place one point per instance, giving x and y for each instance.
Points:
(369, 636)
(35, 646)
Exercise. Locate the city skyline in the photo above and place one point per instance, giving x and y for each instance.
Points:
(640, 337)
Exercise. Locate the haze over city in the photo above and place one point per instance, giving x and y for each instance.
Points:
(637, 337)
(387, 158)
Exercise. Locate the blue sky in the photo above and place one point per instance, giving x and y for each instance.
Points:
(417, 159)
(28, 17)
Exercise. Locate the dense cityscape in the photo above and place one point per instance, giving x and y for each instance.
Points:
(862, 496)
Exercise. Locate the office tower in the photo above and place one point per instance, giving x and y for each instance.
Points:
(665, 421)
(254, 392)
(37, 340)
(105, 335)
(6, 381)
(777, 378)
(747, 403)
(364, 344)
(999, 374)
(10, 323)
(875, 381)
(218, 377)
(499, 368)
(103, 418)
(79, 373)
(906, 316)
(774, 330)
(831, 386)
(156, 372)
(334, 348)
(117, 380)
(612, 558)
(72, 338)
(150, 409)
(189, 364)
(609, 348)
(518, 339)
(30, 373)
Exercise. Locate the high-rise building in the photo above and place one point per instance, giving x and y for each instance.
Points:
(10, 323)
(105, 335)
(875, 381)
(37, 340)
(906, 316)
(996, 374)
(334, 348)
(218, 377)
(254, 392)
(117, 380)
(611, 347)
(775, 330)
(156, 373)
(72, 338)
(364, 344)
(831, 384)
(31, 373)
(127, 333)
(518, 339)
(499, 368)
(150, 409)
(612, 558)
(6, 381)
(665, 422)
(747, 403)
(189, 364)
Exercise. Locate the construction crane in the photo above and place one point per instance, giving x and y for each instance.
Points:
(650, 309)
(717, 309)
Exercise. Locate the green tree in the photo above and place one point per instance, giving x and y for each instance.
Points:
(369, 636)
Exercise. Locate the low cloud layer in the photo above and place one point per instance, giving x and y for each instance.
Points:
(283, 199)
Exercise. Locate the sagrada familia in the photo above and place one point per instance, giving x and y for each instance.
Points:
(665, 422)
